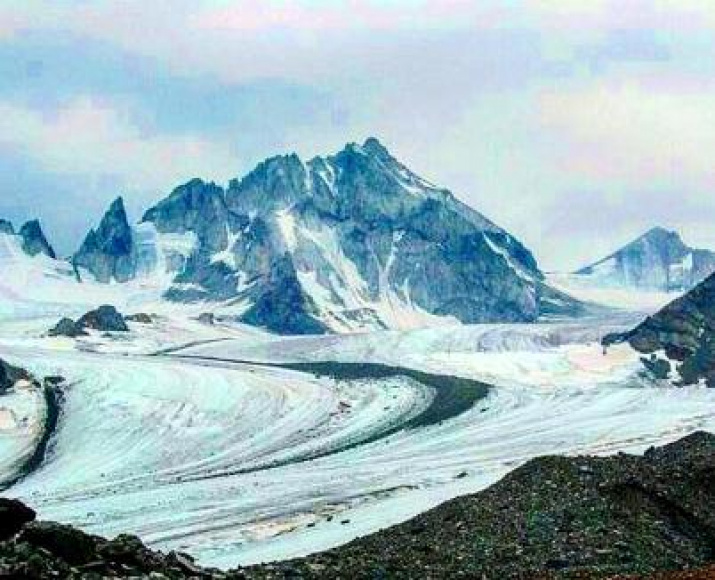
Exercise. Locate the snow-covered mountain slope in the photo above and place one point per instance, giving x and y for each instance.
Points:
(38, 286)
(657, 261)
(353, 240)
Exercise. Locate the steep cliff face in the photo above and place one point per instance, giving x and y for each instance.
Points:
(680, 338)
(658, 260)
(108, 253)
(341, 242)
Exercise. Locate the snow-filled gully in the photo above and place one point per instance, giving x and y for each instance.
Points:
(237, 462)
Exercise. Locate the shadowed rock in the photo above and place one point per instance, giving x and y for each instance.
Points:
(13, 515)
(34, 241)
(105, 318)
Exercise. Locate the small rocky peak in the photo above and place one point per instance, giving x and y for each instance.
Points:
(34, 241)
(114, 233)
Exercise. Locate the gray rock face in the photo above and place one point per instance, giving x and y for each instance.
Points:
(109, 252)
(350, 240)
(658, 260)
(680, 338)
(197, 207)
(34, 241)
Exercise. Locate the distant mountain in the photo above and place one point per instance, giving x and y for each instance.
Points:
(341, 242)
(680, 338)
(31, 237)
(658, 260)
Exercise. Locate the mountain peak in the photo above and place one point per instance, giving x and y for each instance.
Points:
(370, 148)
(657, 260)
(661, 233)
(374, 147)
(34, 241)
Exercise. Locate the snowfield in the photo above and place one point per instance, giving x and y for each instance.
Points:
(180, 433)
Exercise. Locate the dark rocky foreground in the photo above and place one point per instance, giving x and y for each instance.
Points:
(625, 516)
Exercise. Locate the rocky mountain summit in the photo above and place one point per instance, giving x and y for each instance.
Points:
(32, 238)
(658, 260)
(340, 242)
(624, 516)
(680, 339)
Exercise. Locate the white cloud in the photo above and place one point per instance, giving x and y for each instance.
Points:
(91, 138)
(632, 133)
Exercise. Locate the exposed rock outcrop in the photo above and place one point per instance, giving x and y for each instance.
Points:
(108, 253)
(106, 318)
(359, 240)
(680, 338)
(140, 317)
(34, 241)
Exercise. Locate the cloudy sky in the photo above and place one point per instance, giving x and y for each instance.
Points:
(575, 124)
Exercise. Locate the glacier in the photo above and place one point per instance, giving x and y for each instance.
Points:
(199, 437)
